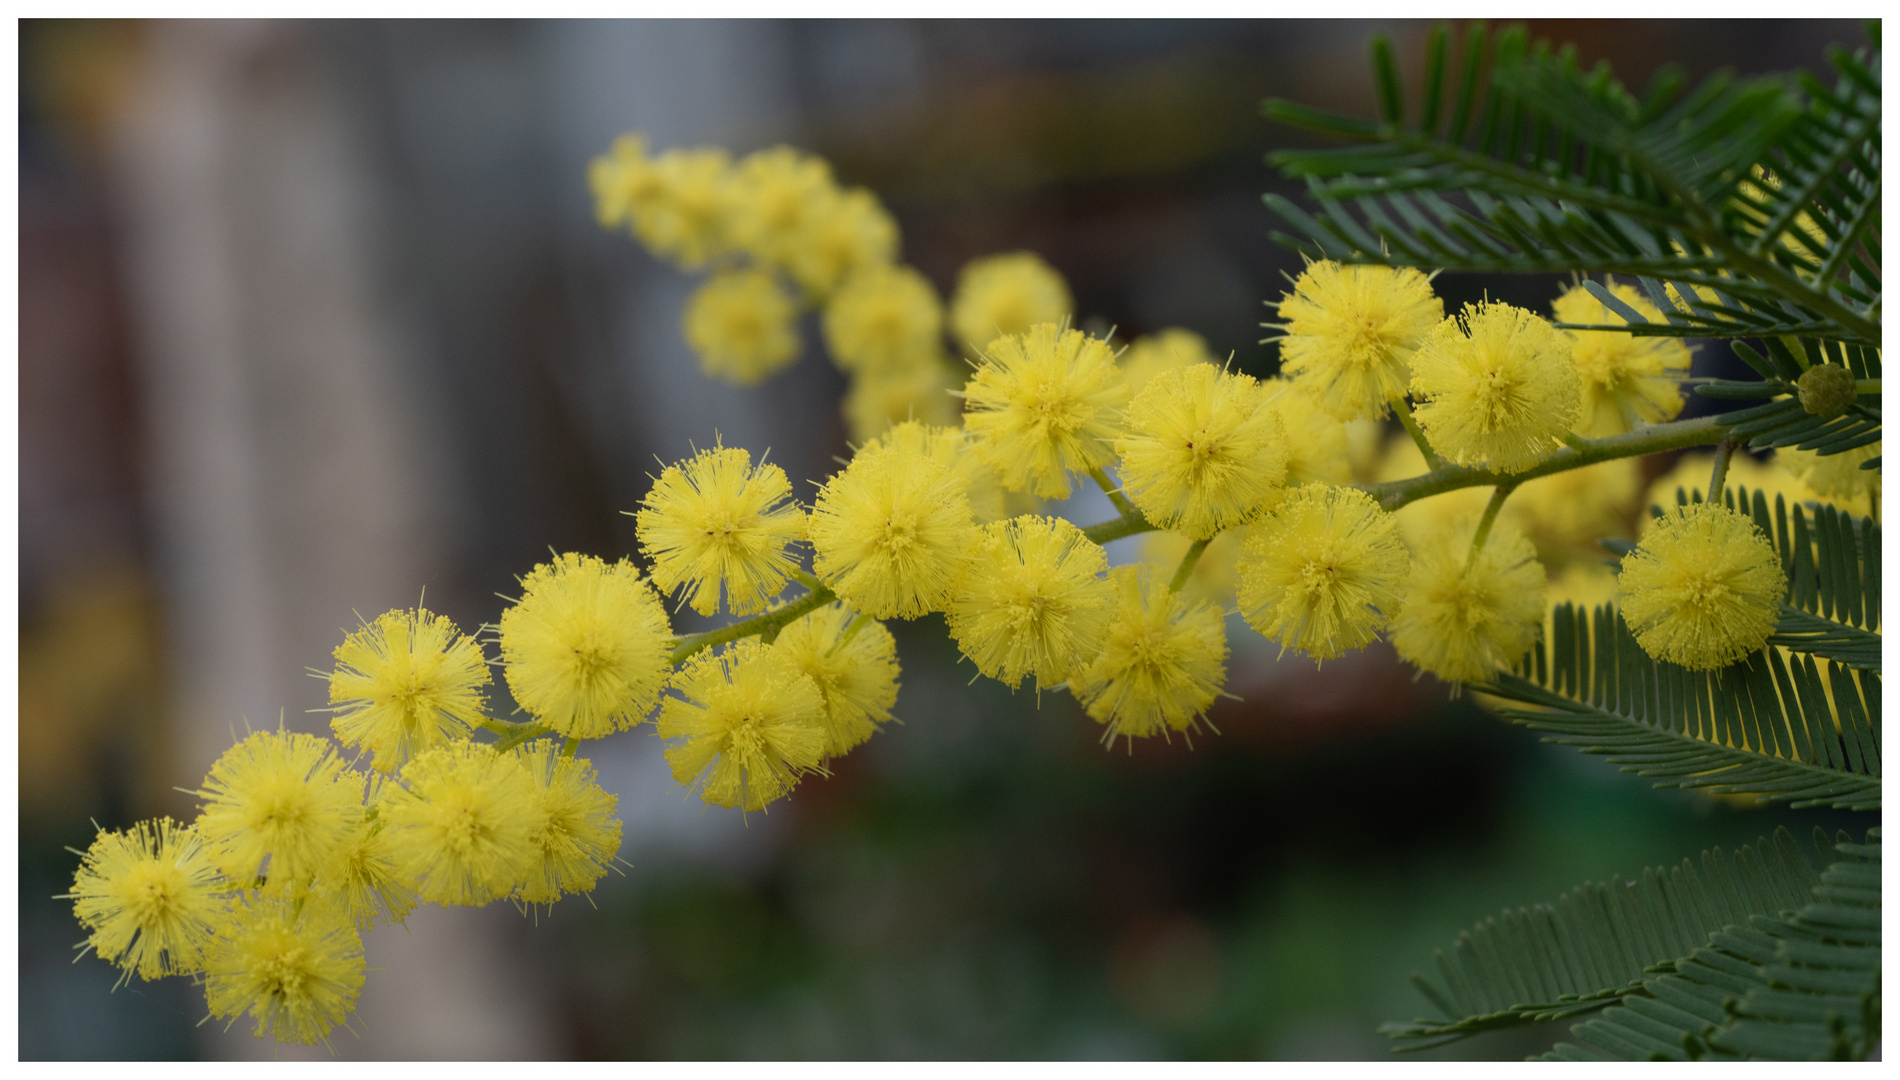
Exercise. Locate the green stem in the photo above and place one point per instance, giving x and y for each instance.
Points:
(1122, 505)
(1399, 409)
(850, 632)
(1498, 495)
(1187, 565)
(518, 734)
(771, 621)
(1650, 439)
(1116, 528)
(1723, 451)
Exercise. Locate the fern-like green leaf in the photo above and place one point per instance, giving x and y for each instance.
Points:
(1595, 943)
(1762, 194)
(1805, 986)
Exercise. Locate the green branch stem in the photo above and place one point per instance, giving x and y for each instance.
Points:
(1724, 450)
(1490, 518)
(1650, 439)
(770, 622)
(1404, 413)
(1122, 505)
(1187, 565)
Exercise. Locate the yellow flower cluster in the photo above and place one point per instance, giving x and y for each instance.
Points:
(779, 236)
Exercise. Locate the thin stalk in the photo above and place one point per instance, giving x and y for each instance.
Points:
(850, 632)
(1122, 505)
(516, 734)
(1724, 450)
(1404, 413)
(570, 746)
(1498, 495)
(769, 622)
(1650, 439)
(1187, 565)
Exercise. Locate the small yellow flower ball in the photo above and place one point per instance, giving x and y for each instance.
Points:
(404, 683)
(461, 828)
(361, 875)
(715, 521)
(1350, 332)
(1836, 478)
(884, 317)
(1160, 351)
(918, 390)
(586, 650)
(892, 533)
(1004, 295)
(689, 221)
(1034, 603)
(747, 725)
(1626, 380)
(279, 803)
(845, 233)
(1203, 451)
(742, 326)
(575, 834)
(1704, 589)
(1465, 623)
(1322, 573)
(151, 898)
(1163, 661)
(296, 968)
(854, 666)
(950, 448)
(1498, 387)
(624, 182)
(1044, 403)
(775, 193)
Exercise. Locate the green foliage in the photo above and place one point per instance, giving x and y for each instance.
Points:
(1763, 192)
(1595, 943)
(1802, 986)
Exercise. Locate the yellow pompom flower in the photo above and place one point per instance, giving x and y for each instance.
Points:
(884, 317)
(1203, 451)
(1161, 351)
(1704, 589)
(1034, 603)
(362, 877)
(892, 533)
(918, 390)
(714, 520)
(846, 232)
(1043, 403)
(281, 798)
(151, 897)
(1462, 623)
(1215, 575)
(1626, 380)
(748, 724)
(1497, 385)
(1162, 664)
(689, 220)
(1317, 448)
(296, 968)
(575, 835)
(404, 683)
(742, 326)
(624, 182)
(853, 666)
(1005, 295)
(587, 649)
(1322, 573)
(774, 194)
(1566, 513)
(461, 828)
(1349, 333)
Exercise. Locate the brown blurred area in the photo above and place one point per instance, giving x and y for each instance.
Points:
(315, 321)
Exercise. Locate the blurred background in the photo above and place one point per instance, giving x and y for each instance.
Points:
(315, 317)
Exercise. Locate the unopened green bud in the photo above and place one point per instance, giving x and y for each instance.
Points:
(1826, 390)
